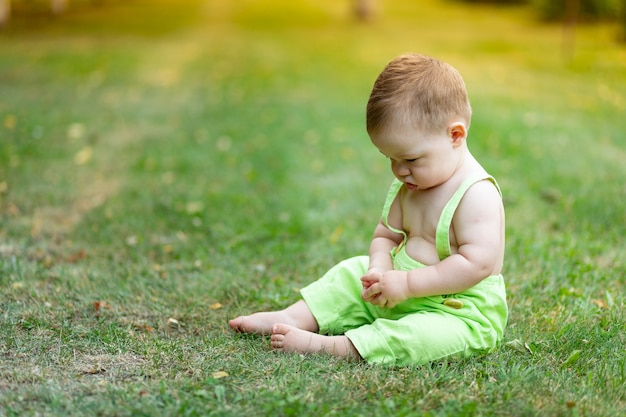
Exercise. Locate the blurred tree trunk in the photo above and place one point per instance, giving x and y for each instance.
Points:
(363, 9)
(572, 9)
(58, 6)
(622, 17)
(5, 11)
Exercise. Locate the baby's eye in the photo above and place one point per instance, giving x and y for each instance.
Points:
(412, 160)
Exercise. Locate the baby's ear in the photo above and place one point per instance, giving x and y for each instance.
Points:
(457, 133)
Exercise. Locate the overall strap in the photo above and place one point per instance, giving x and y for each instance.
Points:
(391, 196)
(442, 238)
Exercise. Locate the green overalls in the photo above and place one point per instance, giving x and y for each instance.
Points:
(418, 330)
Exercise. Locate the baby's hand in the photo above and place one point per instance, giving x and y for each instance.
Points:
(385, 290)
(372, 276)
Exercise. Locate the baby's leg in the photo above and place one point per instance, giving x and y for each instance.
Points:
(297, 315)
(286, 338)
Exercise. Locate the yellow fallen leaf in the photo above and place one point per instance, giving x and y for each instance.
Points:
(336, 234)
(10, 121)
(83, 156)
(219, 374)
(215, 306)
(76, 131)
(194, 207)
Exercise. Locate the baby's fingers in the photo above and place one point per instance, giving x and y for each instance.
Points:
(366, 282)
(371, 292)
(370, 278)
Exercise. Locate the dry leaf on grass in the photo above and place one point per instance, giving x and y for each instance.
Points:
(173, 326)
(144, 327)
(98, 305)
(94, 371)
(76, 256)
(519, 346)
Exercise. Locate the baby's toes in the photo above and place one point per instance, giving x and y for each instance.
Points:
(276, 341)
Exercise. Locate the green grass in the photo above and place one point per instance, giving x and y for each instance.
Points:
(205, 160)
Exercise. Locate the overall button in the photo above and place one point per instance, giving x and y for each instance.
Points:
(453, 302)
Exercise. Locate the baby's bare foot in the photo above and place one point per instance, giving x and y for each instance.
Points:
(286, 338)
(297, 315)
(257, 323)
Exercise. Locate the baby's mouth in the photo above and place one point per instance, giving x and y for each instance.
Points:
(411, 187)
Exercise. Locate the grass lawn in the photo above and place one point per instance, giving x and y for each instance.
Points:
(166, 166)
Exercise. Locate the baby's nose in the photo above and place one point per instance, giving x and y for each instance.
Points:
(403, 170)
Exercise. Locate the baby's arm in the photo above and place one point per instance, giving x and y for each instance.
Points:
(383, 241)
(479, 229)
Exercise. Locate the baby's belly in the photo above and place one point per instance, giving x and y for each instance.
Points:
(422, 250)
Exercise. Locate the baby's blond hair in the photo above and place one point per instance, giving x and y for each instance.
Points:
(420, 90)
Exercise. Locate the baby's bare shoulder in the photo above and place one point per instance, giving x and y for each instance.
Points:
(482, 200)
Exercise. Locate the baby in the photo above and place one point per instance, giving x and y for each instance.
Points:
(431, 286)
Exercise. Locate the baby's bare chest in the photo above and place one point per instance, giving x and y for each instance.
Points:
(420, 222)
(421, 214)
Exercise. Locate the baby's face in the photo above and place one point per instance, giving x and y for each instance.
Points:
(421, 160)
